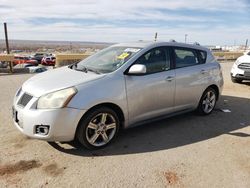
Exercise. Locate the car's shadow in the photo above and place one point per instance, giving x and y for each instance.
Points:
(174, 132)
(246, 83)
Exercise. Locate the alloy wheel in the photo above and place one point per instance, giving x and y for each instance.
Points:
(208, 102)
(101, 129)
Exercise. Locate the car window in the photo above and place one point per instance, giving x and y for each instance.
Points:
(185, 57)
(39, 70)
(203, 56)
(29, 65)
(108, 59)
(156, 60)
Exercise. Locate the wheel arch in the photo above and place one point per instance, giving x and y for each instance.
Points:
(112, 106)
(216, 88)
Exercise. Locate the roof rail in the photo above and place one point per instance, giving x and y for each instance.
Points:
(196, 43)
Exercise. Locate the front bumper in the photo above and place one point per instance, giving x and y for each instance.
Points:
(62, 122)
(240, 73)
(241, 76)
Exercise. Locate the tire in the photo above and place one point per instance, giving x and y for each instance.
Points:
(207, 101)
(236, 80)
(98, 128)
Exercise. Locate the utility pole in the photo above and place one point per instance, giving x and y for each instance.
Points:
(186, 38)
(156, 36)
(7, 44)
(246, 44)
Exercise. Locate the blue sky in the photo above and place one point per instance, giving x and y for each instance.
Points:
(214, 22)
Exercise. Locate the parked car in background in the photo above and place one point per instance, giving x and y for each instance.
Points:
(24, 65)
(36, 69)
(118, 87)
(51, 61)
(39, 56)
(24, 60)
(3, 64)
(241, 68)
(32, 68)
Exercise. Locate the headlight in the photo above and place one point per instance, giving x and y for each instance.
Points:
(58, 99)
(18, 91)
(237, 62)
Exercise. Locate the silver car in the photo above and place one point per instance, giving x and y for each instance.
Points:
(118, 87)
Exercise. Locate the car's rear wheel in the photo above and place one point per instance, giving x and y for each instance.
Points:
(98, 128)
(236, 80)
(207, 101)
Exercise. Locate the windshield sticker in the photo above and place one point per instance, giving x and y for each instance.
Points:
(123, 55)
(134, 50)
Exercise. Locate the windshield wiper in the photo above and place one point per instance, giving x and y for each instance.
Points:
(74, 65)
(93, 70)
(83, 69)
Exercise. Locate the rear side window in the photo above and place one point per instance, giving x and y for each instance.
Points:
(185, 57)
(203, 56)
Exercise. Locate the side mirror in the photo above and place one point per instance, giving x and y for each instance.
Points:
(137, 69)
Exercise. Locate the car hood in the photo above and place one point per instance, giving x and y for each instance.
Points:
(57, 79)
(244, 59)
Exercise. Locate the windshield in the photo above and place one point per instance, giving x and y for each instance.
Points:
(109, 59)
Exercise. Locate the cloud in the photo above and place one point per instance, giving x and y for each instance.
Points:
(209, 22)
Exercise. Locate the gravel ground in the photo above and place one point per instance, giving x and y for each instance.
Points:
(183, 151)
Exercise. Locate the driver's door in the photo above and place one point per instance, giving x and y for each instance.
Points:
(151, 94)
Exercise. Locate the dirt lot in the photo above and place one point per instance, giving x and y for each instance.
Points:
(184, 151)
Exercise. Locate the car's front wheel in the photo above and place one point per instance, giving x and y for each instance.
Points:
(207, 101)
(98, 128)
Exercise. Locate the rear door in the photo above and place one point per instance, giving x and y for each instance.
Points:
(151, 94)
(191, 76)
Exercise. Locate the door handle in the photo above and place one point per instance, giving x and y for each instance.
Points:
(203, 72)
(169, 78)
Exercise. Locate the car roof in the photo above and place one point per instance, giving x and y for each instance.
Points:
(148, 44)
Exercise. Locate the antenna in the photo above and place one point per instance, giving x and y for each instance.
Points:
(246, 44)
(156, 36)
(186, 35)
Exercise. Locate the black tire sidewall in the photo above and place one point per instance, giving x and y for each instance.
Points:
(81, 130)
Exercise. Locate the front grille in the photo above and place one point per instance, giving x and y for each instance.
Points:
(24, 100)
(244, 66)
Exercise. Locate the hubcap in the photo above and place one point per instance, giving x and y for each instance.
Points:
(208, 102)
(101, 129)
